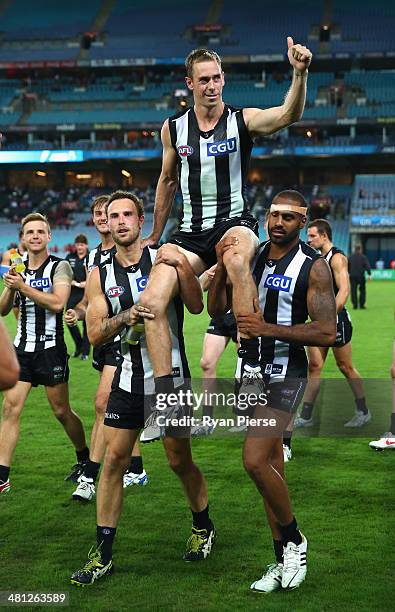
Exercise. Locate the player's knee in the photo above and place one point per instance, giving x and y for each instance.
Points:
(255, 466)
(116, 460)
(392, 371)
(11, 410)
(153, 302)
(315, 367)
(207, 365)
(235, 264)
(346, 369)
(179, 464)
(60, 411)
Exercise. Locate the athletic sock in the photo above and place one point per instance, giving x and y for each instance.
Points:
(164, 384)
(82, 455)
(4, 473)
(392, 429)
(361, 405)
(287, 435)
(278, 550)
(136, 465)
(105, 538)
(249, 350)
(201, 520)
(291, 533)
(91, 470)
(208, 411)
(307, 411)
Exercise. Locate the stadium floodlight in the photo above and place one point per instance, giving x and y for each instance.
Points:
(81, 177)
(126, 173)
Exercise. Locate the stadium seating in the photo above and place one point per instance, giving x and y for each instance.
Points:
(45, 20)
(374, 193)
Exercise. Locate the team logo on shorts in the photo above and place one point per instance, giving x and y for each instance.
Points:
(40, 283)
(184, 150)
(222, 147)
(141, 283)
(114, 292)
(278, 282)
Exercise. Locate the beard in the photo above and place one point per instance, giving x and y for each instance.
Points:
(285, 238)
(125, 240)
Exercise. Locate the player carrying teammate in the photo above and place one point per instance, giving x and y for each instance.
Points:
(105, 360)
(113, 293)
(293, 282)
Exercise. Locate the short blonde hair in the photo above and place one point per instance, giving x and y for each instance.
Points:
(201, 55)
(35, 216)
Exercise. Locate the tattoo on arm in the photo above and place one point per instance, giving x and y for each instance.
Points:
(321, 299)
(111, 327)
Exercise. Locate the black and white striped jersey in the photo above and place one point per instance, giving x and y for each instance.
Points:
(343, 314)
(122, 288)
(282, 291)
(97, 255)
(212, 167)
(39, 329)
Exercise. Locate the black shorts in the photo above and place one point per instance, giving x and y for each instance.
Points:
(48, 367)
(203, 243)
(107, 354)
(223, 326)
(124, 410)
(285, 396)
(343, 331)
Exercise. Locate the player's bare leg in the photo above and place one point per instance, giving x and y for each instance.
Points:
(58, 397)
(343, 356)
(179, 456)
(13, 403)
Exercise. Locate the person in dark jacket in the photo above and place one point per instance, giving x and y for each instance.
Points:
(77, 260)
(358, 264)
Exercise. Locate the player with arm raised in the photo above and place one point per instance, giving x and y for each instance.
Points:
(206, 150)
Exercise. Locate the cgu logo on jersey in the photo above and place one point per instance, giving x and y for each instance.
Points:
(223, 147)
(141, 283)
(278, 282)
(184, 150)
(40, 283)
(115, 292)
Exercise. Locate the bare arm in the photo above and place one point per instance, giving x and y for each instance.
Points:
(6, 301)
(189, 285)
(100, 327)
(9, 366)
(321, 331)
(166, 188)
(339, 265)
(263, 122)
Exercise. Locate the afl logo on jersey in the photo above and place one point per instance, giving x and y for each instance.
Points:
(184, 150)
(40, 283)
(223, 147)
(278, 282)
(115, 292)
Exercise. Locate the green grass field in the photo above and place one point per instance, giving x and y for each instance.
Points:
(342, 492)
